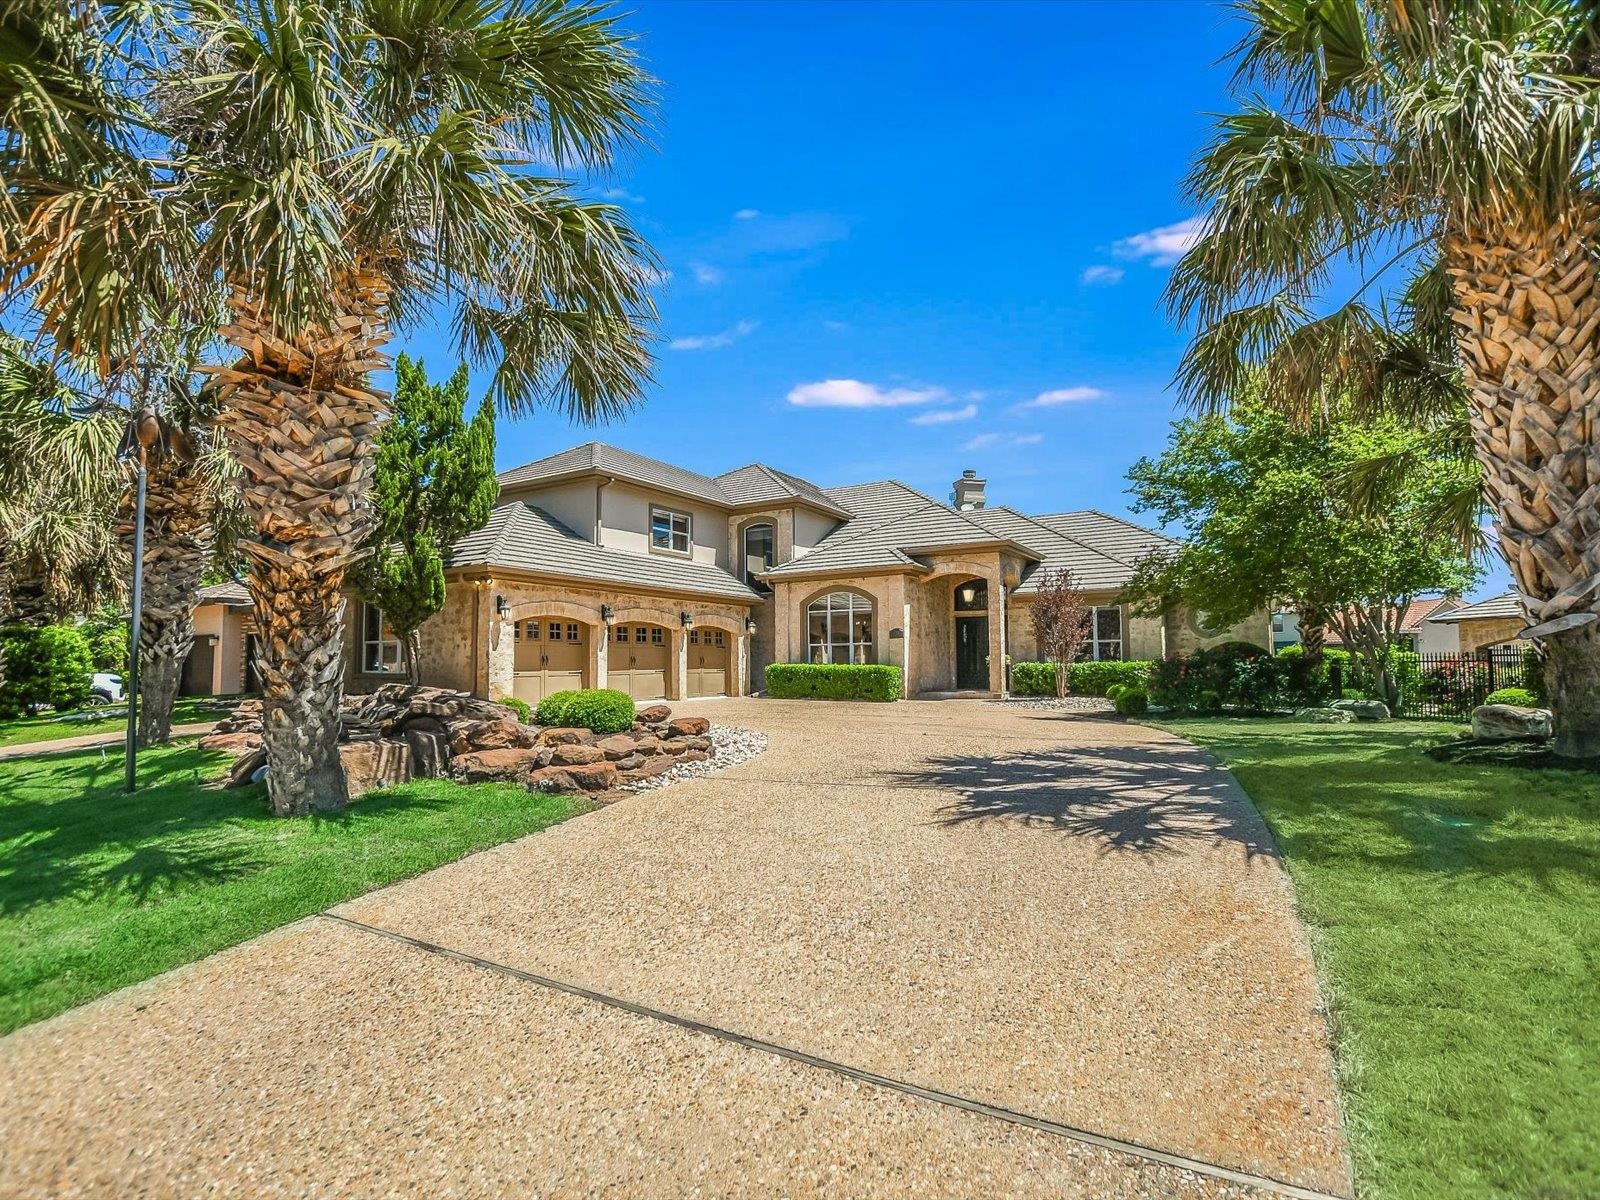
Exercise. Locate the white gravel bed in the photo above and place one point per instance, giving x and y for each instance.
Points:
(1083, 704)
(732, 746)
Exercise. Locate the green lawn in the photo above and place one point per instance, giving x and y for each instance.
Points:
(111, 718)
(99, 889)
(1456, 915)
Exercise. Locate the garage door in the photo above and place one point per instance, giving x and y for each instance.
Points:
(708, 662)
(550, 657)
(637, 662)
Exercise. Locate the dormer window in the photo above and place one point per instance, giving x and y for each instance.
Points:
(758, 552)
(670, 531)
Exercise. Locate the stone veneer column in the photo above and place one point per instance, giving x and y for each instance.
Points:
(741, 667)
(600, 654)
(997, 627)
(500, 653)
(677, 663)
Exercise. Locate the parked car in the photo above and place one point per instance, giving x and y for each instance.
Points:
(106, 688)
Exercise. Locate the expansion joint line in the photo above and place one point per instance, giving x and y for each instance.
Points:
(933, 1095)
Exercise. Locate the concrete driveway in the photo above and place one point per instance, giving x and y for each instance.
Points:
(922, 949)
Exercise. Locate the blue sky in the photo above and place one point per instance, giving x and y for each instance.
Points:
(906, 239)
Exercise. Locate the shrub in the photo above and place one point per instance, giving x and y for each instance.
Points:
(108, 643)
(1115, 690)
(520, 707)
(45, 665)
(1083, 678)
(833, 681)
(1133, 702)
(1521, 697)
(552, 708)
(601, 710)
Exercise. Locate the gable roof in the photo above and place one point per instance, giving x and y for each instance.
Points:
(891, 533)
(229, 594)
(520, 536)
(1055, 550)
(761, 484)
(1507, 604)
(1112, 536)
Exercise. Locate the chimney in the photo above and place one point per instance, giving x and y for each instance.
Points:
(967, 493)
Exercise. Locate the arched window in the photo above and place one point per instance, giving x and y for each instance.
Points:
(759, 552)
(839, 629)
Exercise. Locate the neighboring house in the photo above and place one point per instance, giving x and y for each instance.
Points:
(1285, 630)
(1498, 621)
(1417, 632)
(224, 636)
(603, 568)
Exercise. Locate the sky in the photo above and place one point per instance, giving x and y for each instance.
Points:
(906, 239)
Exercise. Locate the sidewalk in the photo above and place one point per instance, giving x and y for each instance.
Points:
(91, 741)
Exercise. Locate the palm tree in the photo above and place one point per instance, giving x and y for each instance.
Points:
(336, 168)
(1437, 161)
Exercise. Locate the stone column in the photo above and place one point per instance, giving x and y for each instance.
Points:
(741, 666)
(500, 649)
(997, 628)
(677, 663)
(600, 653)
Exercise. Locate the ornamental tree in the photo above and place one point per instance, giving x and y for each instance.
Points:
(1061, 618)
(1273, 513)
(434, 483)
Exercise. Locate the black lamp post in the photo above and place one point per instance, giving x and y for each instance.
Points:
(146, 433)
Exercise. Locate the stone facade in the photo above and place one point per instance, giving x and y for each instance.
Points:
(1492, 631)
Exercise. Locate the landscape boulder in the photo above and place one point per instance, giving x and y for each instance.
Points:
(556, 735)
(688, 726)
(575, 754)
(1511, 722)
(374, 763)
(1325, 716)
(593, 777)
(655, 714)
(506, 762)
(236, 744)
(1364, 710)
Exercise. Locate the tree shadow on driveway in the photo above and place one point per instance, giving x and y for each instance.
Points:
(1150, 799)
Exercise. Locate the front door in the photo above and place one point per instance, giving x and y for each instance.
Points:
(708, 662)
(972, 653)
(637, 663)
(198, 667)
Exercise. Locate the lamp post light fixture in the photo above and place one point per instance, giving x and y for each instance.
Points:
(687, 619)
(501, 608)
(608, 613)
(750, 626)
(144, 433)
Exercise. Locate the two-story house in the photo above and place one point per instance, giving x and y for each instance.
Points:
(603, 568)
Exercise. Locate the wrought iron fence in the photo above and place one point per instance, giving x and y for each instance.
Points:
(1450, 686)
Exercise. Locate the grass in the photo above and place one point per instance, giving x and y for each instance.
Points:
(1454, 912)
(110, 718)
(100, 889)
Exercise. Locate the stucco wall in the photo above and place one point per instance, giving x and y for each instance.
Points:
(228, 627)
(625, 522)
(809, 529)
(572, 502)
(1142, 637)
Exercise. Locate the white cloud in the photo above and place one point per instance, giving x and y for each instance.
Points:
(747, 214)
(617, 193)
(1163, 246)
(1100, 273)
(714, 341)
(1066, 395)
(944, 416)
(834, 326)
(852, 393)
(706, 274)
(992, 441)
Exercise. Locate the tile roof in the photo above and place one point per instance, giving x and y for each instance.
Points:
(1416, 613)
(1507, 604)
(761, 484)
(230, 594)
(890, 540)
(520, 536)
(873, 502)
(1056, 551)
(597, 457)
(1122, 540)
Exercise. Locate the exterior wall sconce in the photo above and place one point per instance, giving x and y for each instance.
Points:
(688, 621)
(607, 612)
(501, 608)
(750, 626)
(969, 593)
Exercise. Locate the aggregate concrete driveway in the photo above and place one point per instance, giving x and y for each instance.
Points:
(981, 950)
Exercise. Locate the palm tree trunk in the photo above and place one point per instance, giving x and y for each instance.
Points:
(1528, 325)
(179, 541)
(304, 424)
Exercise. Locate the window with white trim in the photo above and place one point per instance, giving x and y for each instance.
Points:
(670, 531)
(839, 629)
(759, 543)
(380, 645)
(1104, 643)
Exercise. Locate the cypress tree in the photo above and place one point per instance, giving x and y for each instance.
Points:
(433, 482)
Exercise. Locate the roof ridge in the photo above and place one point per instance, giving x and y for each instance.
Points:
(511, 516)
(1066, 537)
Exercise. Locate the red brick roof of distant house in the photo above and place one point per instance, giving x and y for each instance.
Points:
(1417, 612)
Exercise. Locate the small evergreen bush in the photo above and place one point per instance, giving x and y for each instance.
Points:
(1133, 702)
(833, 681)
(45, 665)
(600, 710)
(520, 707)
(1521, 697)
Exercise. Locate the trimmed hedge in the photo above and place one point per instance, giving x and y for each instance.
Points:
(1521, 697)
(833, 681)
(601, 710)
(1083, 678)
